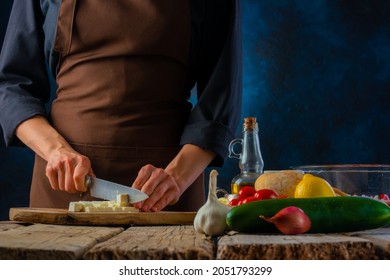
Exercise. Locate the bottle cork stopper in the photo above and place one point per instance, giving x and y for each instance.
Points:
(249, 123)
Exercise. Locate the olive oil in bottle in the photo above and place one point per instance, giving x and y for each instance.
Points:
(250, 159)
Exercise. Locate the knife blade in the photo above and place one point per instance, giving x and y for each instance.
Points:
(109, 190)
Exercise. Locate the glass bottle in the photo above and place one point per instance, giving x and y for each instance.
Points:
(250, 159)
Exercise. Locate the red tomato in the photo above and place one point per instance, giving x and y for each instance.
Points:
(246, 191)
(234, 202)
(248, 199)
(265, 194)
(383, 196)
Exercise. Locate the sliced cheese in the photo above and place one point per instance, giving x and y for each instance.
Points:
(76, 206)
(121, 204)
(129, 209)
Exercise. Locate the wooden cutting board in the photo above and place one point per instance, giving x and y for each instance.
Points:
(64, 217)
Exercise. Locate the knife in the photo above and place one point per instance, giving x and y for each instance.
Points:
(109, 190)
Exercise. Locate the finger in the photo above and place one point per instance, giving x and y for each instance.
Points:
(91, 173)
(79, 181)
(69, 185)
(152, 200)
(162, 203)
(166, 199)
(143, 176)
(52, 176)
(82, 169)
(61, 178)
(138, 205)
(173, 201)
(156, 183)
(167, 192)
(157, 178)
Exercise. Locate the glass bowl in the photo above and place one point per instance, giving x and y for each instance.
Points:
(354, 179)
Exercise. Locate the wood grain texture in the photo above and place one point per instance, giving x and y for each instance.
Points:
(380, 238)
(52, 241)
(294, 247)
(64, 217)
(155, 243)
(8, 225)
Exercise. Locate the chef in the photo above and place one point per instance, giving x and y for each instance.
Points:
(123, 73)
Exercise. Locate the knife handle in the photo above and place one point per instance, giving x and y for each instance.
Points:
(88, 181)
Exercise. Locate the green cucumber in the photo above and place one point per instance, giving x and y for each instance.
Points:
(327, 214)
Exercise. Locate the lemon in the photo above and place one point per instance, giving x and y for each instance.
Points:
(313, 186)
(223, 200)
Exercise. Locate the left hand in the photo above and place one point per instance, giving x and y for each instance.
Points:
(161, 187)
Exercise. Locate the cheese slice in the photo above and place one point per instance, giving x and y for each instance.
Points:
(76, 206)
(121, 204)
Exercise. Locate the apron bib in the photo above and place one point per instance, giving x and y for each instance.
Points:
(122, 97)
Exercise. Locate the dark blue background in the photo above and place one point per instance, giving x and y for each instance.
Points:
(316, 75)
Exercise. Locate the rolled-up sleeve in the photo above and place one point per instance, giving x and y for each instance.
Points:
(24, 83)
(217, 69)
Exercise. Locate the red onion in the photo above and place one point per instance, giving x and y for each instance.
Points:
(290, 220)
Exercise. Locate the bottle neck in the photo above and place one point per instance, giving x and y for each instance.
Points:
(251, 160)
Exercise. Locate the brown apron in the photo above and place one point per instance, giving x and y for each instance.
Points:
(122, 97)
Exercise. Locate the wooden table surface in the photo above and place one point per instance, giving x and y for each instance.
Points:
(48, 241)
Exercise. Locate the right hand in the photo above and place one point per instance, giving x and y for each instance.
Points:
(66, 171)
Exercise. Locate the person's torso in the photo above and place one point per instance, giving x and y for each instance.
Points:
(123, 70)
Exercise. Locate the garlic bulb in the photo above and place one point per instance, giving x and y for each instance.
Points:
(211, 217)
